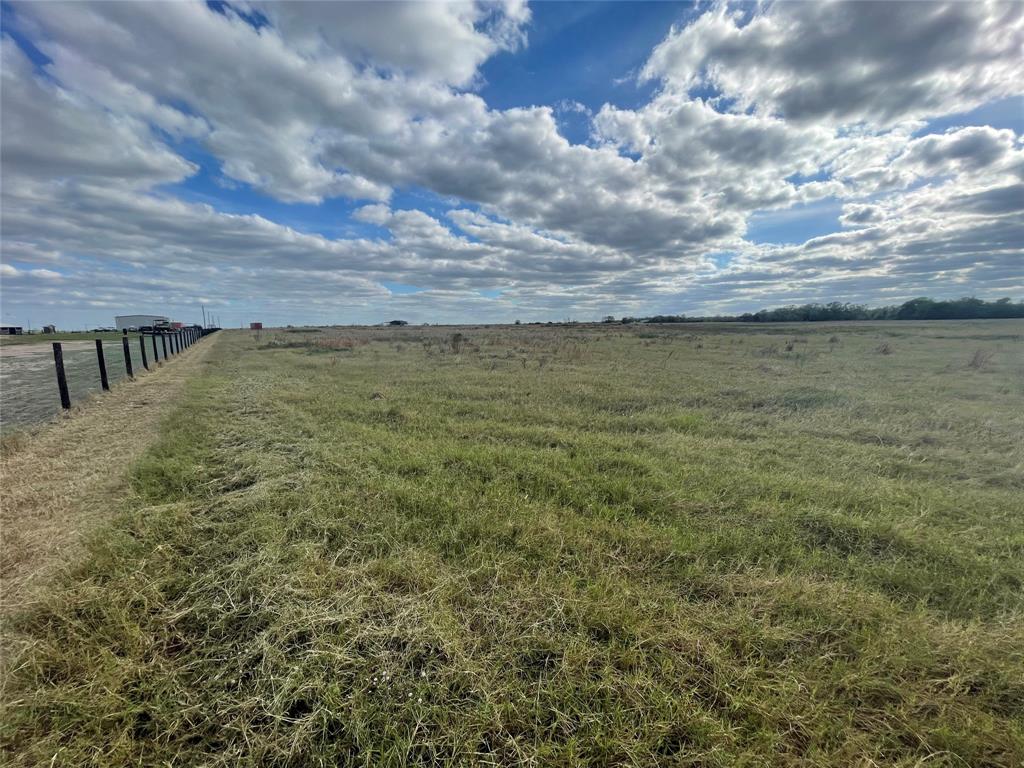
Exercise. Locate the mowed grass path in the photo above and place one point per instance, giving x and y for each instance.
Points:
(680, 545)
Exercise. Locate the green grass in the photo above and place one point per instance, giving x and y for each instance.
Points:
(46, 338)
(679, 545)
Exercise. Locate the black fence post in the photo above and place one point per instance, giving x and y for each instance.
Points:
(156, 353)
(127, 356)
(163, 341)
(142, 348)
(62, 379)
(103, 366)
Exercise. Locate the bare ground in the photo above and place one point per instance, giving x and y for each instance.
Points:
(57, 483)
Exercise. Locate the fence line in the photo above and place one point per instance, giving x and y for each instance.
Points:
(180, 340)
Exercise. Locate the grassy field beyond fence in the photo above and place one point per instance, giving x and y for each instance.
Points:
(712, 545)
(46, 338)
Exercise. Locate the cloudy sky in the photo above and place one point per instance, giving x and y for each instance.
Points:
(358, 162)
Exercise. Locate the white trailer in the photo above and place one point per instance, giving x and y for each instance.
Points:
(133, 322)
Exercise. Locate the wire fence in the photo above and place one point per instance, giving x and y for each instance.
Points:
(80, 369)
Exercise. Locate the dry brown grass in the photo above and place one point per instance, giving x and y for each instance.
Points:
(981, 359)
(57, 482)
(337, 343)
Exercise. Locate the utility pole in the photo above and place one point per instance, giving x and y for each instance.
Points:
(204, 315)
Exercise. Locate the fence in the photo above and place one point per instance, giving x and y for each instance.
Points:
(172, 343)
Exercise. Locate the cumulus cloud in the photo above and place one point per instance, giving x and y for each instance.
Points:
(974, 150)
(50, 133)
(443, 42)
(849, 61)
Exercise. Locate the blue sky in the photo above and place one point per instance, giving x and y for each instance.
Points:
(356, 162)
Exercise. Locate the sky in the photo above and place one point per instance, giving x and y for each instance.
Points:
(315, 163)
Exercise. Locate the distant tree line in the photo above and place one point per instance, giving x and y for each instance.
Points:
(967, 308)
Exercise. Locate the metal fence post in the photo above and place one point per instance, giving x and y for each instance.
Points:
(142, 348)
(127, 356)
(103, 366)
(156, 352)
(163, 341)
(62, 379)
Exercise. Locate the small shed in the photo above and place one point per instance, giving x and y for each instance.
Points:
(11, 330)
(255, 326)
(49, 329)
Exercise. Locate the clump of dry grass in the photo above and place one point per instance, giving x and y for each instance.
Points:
(337, 343)
(12, 442)
(980, 359)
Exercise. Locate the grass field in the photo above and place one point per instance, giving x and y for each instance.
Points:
(622, 545)
(46, 338)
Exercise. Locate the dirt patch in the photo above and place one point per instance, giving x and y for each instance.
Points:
(61, 481)
(44, 348)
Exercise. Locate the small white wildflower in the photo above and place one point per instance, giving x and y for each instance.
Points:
(419, 700)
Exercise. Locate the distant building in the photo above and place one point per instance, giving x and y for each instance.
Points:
(134, 322)
(255, 326)
(49, 329)
(11, 330)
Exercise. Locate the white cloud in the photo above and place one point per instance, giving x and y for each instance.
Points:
(50, 133)
(443, 42)
(847, 61)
